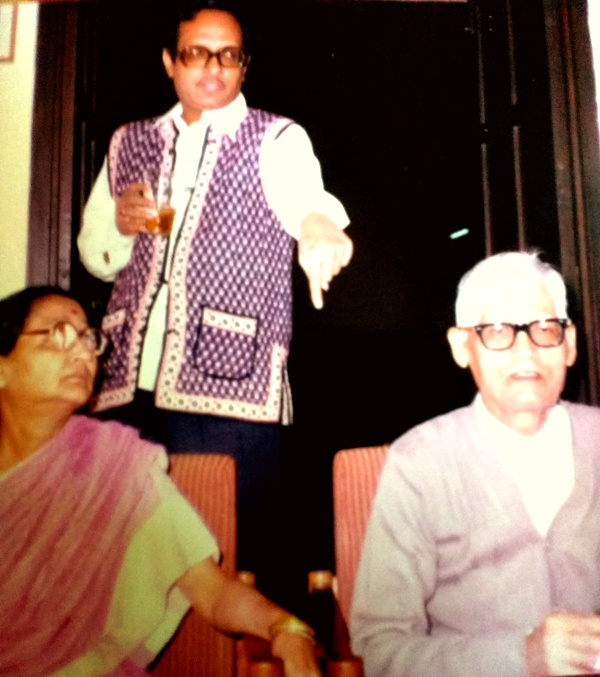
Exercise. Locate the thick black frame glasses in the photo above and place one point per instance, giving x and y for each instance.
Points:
(64, 336)
(199, 55)
(542, 333)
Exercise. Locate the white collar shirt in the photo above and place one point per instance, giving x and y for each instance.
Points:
(541, 464)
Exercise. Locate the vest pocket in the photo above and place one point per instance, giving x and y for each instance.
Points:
(226, 344)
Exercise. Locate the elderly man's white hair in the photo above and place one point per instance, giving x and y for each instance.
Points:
(476, 285)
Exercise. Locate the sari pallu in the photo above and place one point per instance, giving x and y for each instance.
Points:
(67, 515)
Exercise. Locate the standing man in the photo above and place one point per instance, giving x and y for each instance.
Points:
(482, 554)
(200, 320)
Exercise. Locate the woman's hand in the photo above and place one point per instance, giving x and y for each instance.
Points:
(235, 607)
(299, 655)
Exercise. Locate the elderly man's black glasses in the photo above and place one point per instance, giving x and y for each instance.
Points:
(198, 55)
(64, 336)
(502, 335)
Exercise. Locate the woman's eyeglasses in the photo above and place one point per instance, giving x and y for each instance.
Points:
(64, 336)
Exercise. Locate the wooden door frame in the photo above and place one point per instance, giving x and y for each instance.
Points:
(52, 162)
(56, 161)
(577, 168)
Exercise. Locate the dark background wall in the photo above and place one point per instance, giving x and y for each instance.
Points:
(399, 99)
(388, 94)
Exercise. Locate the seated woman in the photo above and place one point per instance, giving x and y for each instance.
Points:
(100, 554)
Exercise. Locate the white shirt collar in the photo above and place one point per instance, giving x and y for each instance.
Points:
(541, 464)
(224, 120)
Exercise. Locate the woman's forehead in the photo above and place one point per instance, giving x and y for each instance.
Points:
(54, 308)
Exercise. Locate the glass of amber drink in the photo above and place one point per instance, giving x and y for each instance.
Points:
(152, 224)
(162, 223)
(166, 215)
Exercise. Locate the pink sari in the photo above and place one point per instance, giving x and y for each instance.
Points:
(67, 516)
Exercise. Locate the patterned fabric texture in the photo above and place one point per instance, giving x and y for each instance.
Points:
(229, 314)
(80, 498)
(355, 476)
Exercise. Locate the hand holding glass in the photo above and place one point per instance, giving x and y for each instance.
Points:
(162, 223)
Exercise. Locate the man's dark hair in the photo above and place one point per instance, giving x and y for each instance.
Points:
(15, 309)
(186, 10)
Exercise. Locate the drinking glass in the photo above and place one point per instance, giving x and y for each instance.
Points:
(162, 223)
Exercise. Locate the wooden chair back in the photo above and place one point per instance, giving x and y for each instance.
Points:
(355, 476)
(208, 482)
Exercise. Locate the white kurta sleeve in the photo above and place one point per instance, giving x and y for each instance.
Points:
(103, 250)
(292, 181)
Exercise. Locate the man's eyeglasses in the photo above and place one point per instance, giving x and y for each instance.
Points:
(198, 55)
(502, 335)
(64, 336)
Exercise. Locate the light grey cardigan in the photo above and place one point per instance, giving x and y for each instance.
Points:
(453, 573)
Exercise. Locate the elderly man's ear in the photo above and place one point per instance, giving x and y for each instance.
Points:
(457, 338)
(571, 340)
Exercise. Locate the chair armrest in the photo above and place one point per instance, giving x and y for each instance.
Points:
(321, 610)
(254, 658)
(324, 614)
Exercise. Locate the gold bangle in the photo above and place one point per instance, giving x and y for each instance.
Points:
(293, 625)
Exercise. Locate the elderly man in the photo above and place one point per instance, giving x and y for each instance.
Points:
(201, 319)
(482, 554)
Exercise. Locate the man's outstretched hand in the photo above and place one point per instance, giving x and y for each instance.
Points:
(323, 250)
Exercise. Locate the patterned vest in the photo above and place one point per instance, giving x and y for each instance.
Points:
(229, 313)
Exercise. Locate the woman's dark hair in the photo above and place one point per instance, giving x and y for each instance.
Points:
(15, 309)
(186, 10)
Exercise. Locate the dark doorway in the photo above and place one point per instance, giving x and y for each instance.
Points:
(388, 93)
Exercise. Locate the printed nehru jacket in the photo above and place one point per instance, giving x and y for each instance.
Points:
(229, 313)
